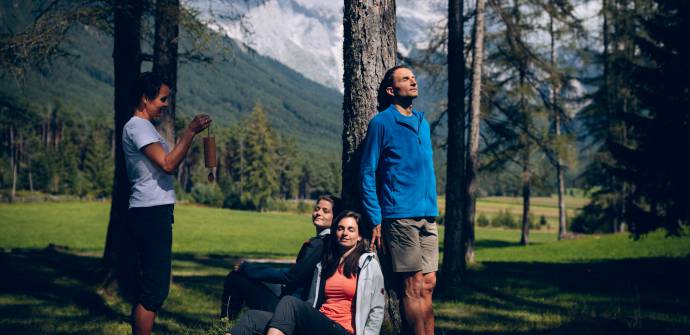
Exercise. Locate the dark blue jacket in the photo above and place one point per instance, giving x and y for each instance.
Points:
(296, 279)
(397, 168)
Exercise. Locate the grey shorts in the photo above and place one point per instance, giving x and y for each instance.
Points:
(412, 244)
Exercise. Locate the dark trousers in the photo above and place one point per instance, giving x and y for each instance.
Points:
(291, 316)
(239, 290)
(151, 231)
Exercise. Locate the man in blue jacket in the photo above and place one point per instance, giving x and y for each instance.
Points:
(398, 188)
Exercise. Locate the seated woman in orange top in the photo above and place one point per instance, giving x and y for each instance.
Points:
(346, 295)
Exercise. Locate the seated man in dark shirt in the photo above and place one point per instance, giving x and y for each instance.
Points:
(261, 287)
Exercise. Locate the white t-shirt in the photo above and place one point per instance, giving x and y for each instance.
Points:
(151, 186)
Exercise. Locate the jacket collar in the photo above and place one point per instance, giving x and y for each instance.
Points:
(407, 121)
(365, 258)
(325, 232)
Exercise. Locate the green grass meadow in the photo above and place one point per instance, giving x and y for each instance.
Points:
(605, 284)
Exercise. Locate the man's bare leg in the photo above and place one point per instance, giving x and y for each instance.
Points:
(143, 321)
(427, 293)
(413, 301)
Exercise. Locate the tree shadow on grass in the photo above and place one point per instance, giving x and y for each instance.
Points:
(42, 289)
(634, 296)
(53, 291)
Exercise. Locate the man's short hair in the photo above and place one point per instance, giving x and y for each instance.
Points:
(148, 84)
(384, 100)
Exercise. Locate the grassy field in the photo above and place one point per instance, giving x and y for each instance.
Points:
(539, 206)
(594, 284)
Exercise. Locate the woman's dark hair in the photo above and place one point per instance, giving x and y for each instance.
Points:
(335, 202)
(330, 259)
(384, 100)
(148, 84)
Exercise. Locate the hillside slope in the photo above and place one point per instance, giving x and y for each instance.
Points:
(226, 89)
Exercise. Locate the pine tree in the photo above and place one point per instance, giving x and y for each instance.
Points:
(656, 159)
(98, 165)
(605, 118)
(261, 179)
(286, 167)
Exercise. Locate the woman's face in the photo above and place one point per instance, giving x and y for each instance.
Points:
(322, 216)
(154, 107)
(347, 233)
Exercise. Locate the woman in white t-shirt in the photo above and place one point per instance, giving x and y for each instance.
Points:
(150, 164)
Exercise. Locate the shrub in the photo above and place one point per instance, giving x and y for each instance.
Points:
(207, 194)
(504, 219)
(593, 218)
(542, 221)
(303, 207)
(278, 205)
(483, 221)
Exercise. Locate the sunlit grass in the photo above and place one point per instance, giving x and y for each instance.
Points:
(606, 284)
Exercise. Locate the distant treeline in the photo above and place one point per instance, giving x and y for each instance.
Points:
(56, 150)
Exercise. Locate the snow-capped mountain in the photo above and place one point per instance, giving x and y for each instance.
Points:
(307, 35)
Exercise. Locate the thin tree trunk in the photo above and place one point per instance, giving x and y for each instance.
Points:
(473, 138)
(526, 190)
(562, 230)
(369, 49)
(44, 135)
(31, 179)
(165, 59)
(454, 266)
(58, 135)
(112, 145)
(117, 256)
(607, 90)
(13, 163)
(555, 110)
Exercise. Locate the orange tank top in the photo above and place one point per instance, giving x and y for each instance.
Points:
(340, 293)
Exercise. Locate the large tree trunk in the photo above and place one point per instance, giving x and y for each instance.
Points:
(126, 60)
(470, 184)
(453, 270)
(369, 49)
(165, 59)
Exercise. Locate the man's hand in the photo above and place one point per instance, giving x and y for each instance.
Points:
(376, 238)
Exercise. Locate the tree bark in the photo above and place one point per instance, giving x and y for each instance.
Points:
(165, 59)
(369, 49)
(126, 61)
(470, 184)
(454, 266)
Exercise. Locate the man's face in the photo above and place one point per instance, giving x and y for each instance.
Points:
(154, 107)
(404, 84)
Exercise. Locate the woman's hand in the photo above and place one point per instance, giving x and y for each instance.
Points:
(199, 123)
